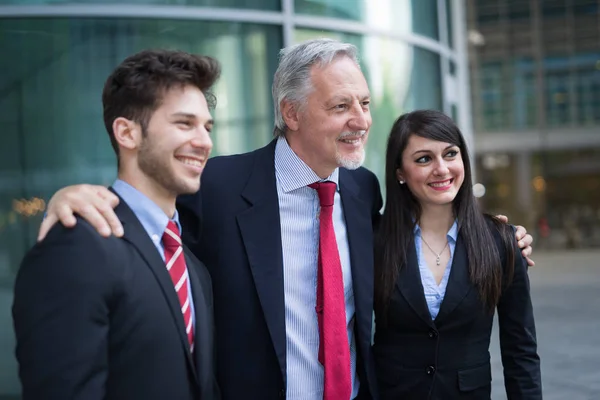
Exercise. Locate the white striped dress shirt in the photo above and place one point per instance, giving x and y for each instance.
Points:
(299, 218)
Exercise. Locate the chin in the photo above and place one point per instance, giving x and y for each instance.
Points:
(352, 162)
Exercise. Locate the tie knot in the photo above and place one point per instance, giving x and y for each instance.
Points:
(326, 191)
(171, 236)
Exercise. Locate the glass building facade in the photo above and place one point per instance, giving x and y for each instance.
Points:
(56, 54)
(535, 79)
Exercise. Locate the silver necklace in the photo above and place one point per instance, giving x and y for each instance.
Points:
(437, 260)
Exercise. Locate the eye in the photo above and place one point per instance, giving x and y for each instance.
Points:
(366, 103)
(423, 160)
(340, 107)
(452, 153)
(184, 124)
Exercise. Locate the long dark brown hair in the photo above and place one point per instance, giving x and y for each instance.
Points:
(402, 211)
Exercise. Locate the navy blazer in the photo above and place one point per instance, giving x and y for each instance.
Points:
(418, 358)
(98, 318)
(239, 240)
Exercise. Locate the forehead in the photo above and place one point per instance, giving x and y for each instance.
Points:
(185, 100)
(416, 143)
(341, 77)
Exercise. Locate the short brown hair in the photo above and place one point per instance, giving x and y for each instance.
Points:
(136, 87)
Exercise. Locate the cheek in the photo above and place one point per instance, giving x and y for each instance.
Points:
(416, 176)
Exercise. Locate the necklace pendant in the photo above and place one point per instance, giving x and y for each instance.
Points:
(437, 261)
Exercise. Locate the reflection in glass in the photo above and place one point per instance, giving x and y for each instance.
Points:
(405, 16)
(271, 5)
(51, 115)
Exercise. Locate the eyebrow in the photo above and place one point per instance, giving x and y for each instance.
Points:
(429, 151)
(191, 116)
(347, 99)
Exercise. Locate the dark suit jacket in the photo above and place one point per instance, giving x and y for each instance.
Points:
(239, 240)
(448, 358)
(98, 318)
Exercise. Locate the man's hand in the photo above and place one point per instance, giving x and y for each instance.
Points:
(93, 203)
(524, 240)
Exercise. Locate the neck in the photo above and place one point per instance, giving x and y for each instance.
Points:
(148, 187)
(436, 219)
(308, 158)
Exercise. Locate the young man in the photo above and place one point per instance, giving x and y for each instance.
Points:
(131, 317)
(286, 295)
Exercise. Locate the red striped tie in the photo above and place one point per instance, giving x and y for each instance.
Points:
(175, 260)
(334, 350)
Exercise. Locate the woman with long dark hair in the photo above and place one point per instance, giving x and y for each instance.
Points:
(442, 269)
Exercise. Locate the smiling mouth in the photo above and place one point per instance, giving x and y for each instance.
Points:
(442, 184)
(191, 161)
(351, 140)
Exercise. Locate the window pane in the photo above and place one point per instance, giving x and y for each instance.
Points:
(51, 115)
(418, 16)
(272, 5)
(450, 24)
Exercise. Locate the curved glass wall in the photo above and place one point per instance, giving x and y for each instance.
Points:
(271, 5)
(57, 54)
(418, 16)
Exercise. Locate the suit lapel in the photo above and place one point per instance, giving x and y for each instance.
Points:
(459, 283)
(359, 226)
(411, 287)
(137, 236)
(261, 233)
(203, 324)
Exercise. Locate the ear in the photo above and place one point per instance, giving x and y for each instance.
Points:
(128, 134)
(399, 175)
(289, 112)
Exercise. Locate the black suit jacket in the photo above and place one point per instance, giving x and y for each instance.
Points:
(98, 318)
(239, 240)
(448, 358)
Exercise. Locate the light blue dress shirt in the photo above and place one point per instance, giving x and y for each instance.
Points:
(299, 215)
(434, 293)
(154, 220)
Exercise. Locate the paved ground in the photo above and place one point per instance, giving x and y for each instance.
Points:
(566, 299)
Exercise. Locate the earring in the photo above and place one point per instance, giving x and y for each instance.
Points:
(401, 182)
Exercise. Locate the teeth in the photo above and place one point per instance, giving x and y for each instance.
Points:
(351, 141)
(190, 161)
(441, 184)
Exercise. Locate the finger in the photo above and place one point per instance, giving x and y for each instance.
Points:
(520, 233)
(530, 262)
(110, 197)
(527, 251)
(91, 214)
(47, 223)
(65, 215)
(502, 218)
(105, 208)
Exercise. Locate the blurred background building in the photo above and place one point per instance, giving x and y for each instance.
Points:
(55, 56)
(535, 80)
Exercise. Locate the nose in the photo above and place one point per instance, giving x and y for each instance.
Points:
(202, 140)
(441, 168)
(361, 119)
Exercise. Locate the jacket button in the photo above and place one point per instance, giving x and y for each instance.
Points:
(433, 334)
(430, 370)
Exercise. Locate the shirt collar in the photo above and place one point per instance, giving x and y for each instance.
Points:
(451, 235)
(292, 173)
(152, 217)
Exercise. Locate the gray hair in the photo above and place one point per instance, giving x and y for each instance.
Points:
(292, 78)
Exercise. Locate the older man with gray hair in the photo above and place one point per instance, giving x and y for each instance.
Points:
(287, 236)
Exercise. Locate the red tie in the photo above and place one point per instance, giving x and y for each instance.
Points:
(175, 260)
(334, 350)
